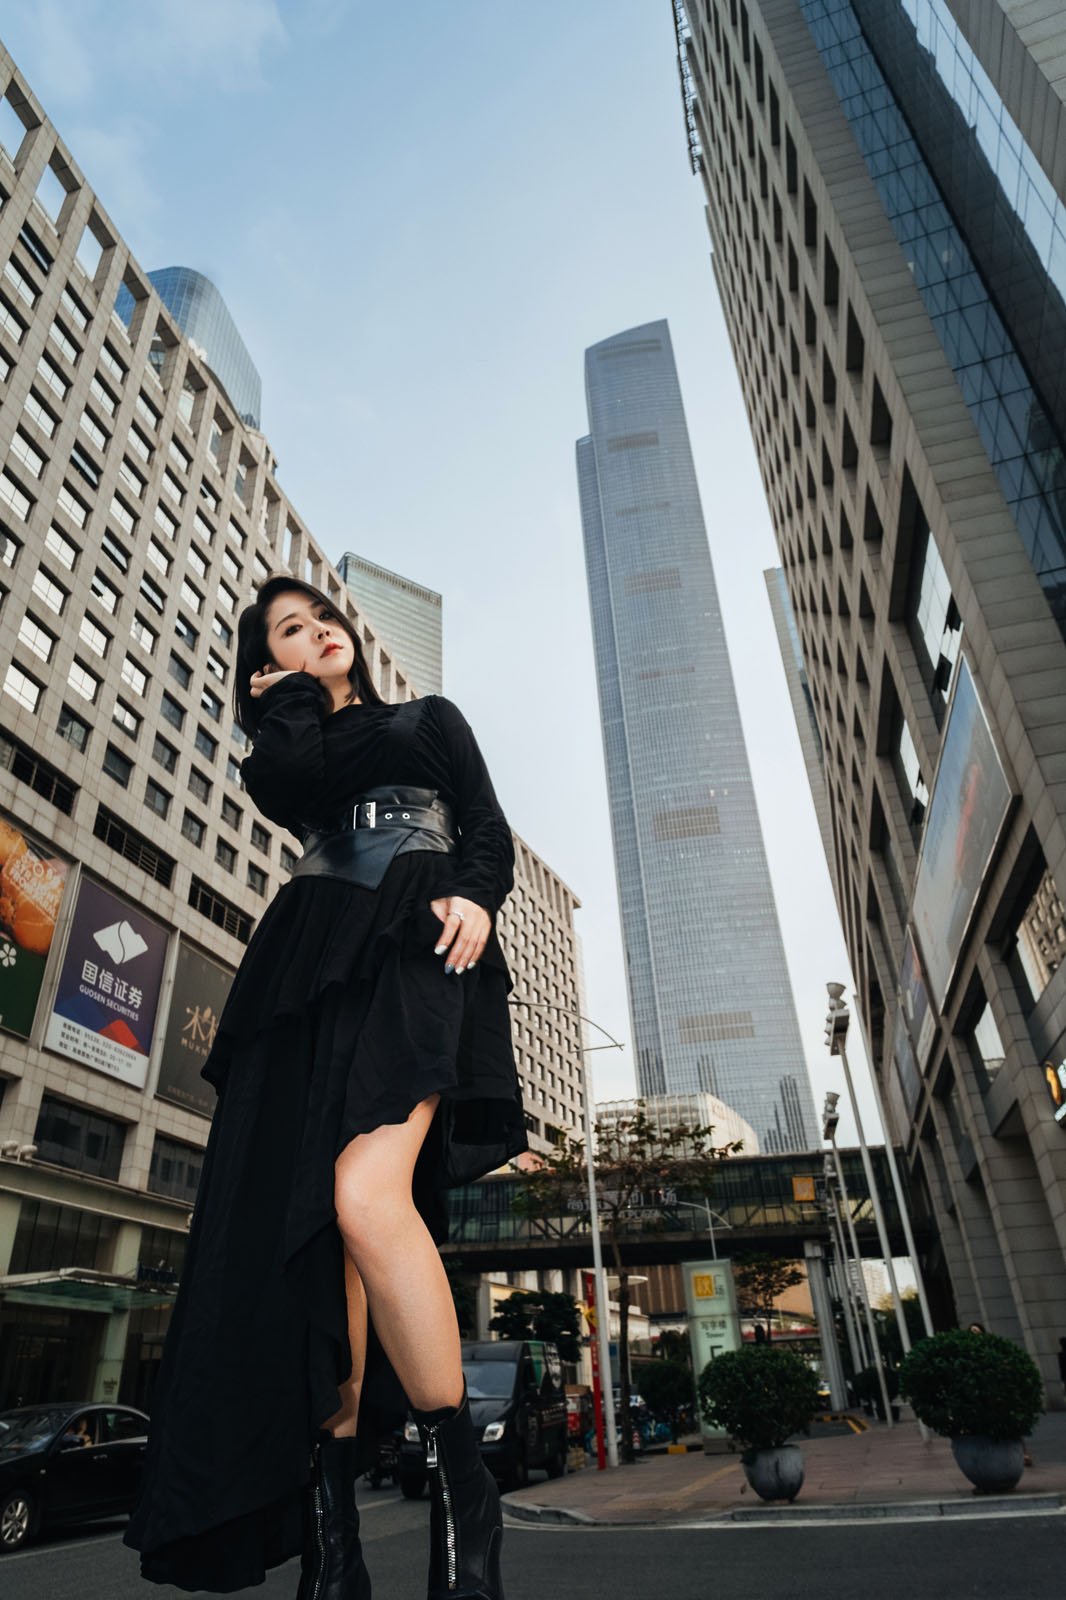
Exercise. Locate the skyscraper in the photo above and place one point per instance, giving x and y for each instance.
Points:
(709, 992)
(407, 612)
(885, 183)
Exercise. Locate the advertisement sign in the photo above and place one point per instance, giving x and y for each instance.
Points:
(200, 990)
(969, 807)
(1055, 1078)
(713, 1323)
(32, 881)
(914, 1002)
(105, 1006)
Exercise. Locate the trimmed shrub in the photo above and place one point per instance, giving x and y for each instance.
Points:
(962, 1383)
(761, 1395)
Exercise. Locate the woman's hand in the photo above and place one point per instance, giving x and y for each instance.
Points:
(465, 931)
(269, 675)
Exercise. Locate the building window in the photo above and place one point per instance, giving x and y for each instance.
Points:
(289, 859)
(193, 829)
(134, 676)
(150, 591)
(104, 593)
(36, 638)
(156, 798)
(225, 855)
(82, 681)
(223, 913)
(118, 766)
(211, 704)
(222, 630)
(216, 667)
(933, 618)
(115, 551)
(73, 1136)
(199, 785)
(260, 838)
(143, 635)
(96, 639)
(175, 1169)
(133, 846)
(51, 593)
(48, 1237)
(205, 744)
(233, 770)
(73, 729)
(1039, 943)
(126, 718)
(22, 688)
(173, 713)
(179, 670)
(257, 879)
(65, 550)
(164, 753)
(231, 812)
(191, 598)
(186, 632)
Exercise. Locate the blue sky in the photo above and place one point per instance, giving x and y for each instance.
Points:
(420, 215)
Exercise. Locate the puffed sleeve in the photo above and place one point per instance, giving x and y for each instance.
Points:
(287, 765)
(484, 866)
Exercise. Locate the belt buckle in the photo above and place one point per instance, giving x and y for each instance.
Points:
(371, 809)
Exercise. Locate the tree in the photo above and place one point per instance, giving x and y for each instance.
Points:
(541, 1314)
(673, 1346)
(645, 1176)
(760, 1280)
(667, 1388)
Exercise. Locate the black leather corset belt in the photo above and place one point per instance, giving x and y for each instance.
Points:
(383, 823)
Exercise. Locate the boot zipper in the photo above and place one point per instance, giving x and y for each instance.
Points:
(437, 1464)
(320, 1541)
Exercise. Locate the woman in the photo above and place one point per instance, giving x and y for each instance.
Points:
(363, 1063)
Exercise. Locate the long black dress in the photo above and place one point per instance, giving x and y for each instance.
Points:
(340, 1019)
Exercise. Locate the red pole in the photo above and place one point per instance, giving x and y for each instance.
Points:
(594, 1352)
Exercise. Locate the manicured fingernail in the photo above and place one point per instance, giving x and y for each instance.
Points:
(460, 969)
(471, 963)
(440, 949)
(448, 967)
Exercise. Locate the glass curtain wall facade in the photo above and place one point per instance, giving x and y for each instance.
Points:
(884, 183)
(409, 614)
(202, 314)
(710, 998)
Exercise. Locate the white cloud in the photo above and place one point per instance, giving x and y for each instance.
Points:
(112, 160)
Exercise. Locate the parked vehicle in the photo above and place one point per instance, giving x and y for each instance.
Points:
(518, 1405)
(387, 1463)
(67, 1463)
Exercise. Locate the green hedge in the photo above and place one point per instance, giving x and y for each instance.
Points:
(962, 1383)
(760, 1395)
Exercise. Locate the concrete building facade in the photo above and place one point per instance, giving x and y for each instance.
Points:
(138, 513)
(885, 188)
(710, 997)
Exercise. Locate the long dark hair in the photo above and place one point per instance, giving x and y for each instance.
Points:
(253, 650)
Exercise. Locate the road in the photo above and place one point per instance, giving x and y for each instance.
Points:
(1011, 1558)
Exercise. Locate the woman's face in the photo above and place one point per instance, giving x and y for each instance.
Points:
(305, 635)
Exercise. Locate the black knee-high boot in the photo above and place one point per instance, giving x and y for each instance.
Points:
(332, 1562)
(465, 1525)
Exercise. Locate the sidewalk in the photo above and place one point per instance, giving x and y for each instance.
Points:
(877, 1473)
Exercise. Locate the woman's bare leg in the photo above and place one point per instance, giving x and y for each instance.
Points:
(342, 1425)
(406, 1287)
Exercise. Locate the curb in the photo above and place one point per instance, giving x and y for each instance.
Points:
(1031, 1505)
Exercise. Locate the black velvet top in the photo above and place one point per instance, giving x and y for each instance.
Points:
(308, 768)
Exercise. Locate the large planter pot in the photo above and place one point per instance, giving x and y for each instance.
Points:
(775, 1474)
(993, 1465)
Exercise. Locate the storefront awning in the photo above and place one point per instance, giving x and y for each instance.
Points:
(80, 1289)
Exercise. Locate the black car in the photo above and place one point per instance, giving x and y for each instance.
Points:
(518, 1407)
(67, 1463)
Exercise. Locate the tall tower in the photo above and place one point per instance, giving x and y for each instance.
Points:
(885, 187)
(709, 992)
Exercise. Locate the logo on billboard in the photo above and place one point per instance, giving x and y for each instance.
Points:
(121, 942)
(32, 883)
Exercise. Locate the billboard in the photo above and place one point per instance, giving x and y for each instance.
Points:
(971, 799)
(31, 891)
(914, 1002)
(200, 990)
(108, 994)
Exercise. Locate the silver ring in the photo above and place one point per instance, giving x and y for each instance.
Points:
(458, 914)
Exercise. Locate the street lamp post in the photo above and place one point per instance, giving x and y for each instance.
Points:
(853, 1328)
(603, 1304)
(829, 1129)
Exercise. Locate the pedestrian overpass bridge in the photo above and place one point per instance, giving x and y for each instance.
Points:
(766, 1205)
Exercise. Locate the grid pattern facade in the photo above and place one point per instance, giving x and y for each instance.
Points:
(536, 927)
(669, 1111)
(137, 515)
(710, 998)
(408, 614)
(884, 187)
